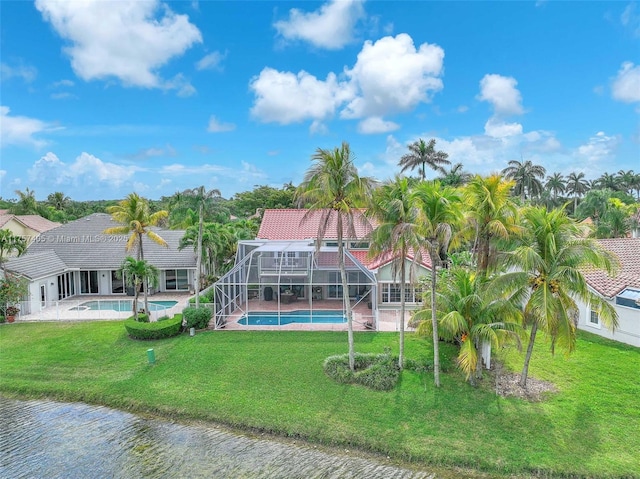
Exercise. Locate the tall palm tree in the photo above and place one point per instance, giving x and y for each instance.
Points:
(609, 181)
(576, 186)
(472, 313)
(424, 154)
(556, 184)
(547, 278)
(626, 180)
(137, 273)
(397, 233)
(332, 187)
(136, 220)
(58, 200)
(635, 185)
(10, 243)
(440, 213)
(527, 177)
(456, 176)
(200, 196)
(27, 204)
(492, 217)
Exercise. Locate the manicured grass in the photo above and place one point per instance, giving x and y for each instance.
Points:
(273, 381)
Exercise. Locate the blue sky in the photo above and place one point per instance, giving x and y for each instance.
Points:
(100, 98)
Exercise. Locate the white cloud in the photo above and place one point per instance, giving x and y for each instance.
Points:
(631, 19)
(599, 148)
(375, 124)
(329, 27)
(180, 83)
(152, 152)
(211, 61)
(3, 173)
(215, 126)
(27, 72)
(284, 97)
(391, 75)
(62, 83)
(626, 86)
(318, 128)
(499, 129)
(129, 40)
(86, 170)
(20, 129)
(502, 93)
(249, 171)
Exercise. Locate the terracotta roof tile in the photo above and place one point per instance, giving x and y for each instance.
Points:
(288, 224)
(38, 223)
(628, 252)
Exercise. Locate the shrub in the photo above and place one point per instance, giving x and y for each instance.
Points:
(158, 330)
(142, 318)
(2, 320)
(375, 371)
(197, 317)
(207, 297)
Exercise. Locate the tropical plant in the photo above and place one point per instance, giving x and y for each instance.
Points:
(137, 273)
(546, 278)
(218, 245)
(456, 176)
(471, 313)
(440, 213)
(9, 244)
(333, 188)
(58, 200)
(556, 184)
(626, 180)
(421, 155)
(576, 186)
(12, 290)
(492, 217)
(527, 177)
(136, 220)
(609, 181)
(26, 204)
(397, 234)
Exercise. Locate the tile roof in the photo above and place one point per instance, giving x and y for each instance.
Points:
(35, 222)
(288, 224)
(37, 265)
(628, 252)
(82, 244)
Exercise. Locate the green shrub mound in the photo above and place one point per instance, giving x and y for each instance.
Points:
(206, 297)
(163, 328)
(374, 371)
(197, 317)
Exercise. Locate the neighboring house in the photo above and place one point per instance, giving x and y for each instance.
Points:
(284, 260)
(621, 290)
(78, 258)
(25, 226)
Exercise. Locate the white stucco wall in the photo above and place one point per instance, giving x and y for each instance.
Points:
(628, 330)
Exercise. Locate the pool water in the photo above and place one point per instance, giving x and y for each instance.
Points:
(123, 305)
(271, 319)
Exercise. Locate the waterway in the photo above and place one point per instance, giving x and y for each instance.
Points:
(47, 439)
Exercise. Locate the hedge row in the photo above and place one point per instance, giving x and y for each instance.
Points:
(163, 328)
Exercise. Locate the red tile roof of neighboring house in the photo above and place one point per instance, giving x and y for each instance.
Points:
(288, 224)
(4, 219)
(628, 252)
(37, 223)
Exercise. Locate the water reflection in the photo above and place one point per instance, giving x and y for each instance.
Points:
(59, 440)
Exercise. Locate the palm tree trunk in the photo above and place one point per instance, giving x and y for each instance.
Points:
(135, 300)
(199, 258)
(345, 295)
(402, 308)
(424, 171)
(575, 204)
(434, 320)
(527, 358)
(144, 280)
(479, 363)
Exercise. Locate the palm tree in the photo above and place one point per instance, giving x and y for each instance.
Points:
(10, 243)
(492, 217)
(333, 187)
(58, 200)
(395, 211)
(556, 184)
(548, 261)
(440, 212)
(456, 176)
(472, 313)
(527, 177)
(626, 180)
(200, 196)
(137, 273)
(136, 220)
(576, 186)
(218, 245)
(27, 204)
(635, 185)
(609, 181)
(424, 154)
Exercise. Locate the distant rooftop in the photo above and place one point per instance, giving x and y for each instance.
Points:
(628, 252)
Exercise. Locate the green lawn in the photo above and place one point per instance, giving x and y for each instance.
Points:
(273, 381)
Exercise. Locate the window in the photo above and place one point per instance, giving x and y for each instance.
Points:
(66, 286)
(357, 281)
(594, 319)
(359, 245)
(117, 284)
(391, 293)
(89, 282)
(629, 298)
(176, 279)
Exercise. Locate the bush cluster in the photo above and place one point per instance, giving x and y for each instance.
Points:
(142, 318)
(375, 371)
(197, 317)
(207, 297)
(161, 329)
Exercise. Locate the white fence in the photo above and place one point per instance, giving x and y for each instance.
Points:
(92, 309)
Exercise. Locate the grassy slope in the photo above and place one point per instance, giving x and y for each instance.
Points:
(273, 381)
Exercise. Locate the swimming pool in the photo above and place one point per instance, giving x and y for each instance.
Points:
(302, 316)
(122, 305)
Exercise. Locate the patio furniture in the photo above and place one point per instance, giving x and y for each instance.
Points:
(287, 298)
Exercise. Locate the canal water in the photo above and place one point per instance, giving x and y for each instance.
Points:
(47, 439)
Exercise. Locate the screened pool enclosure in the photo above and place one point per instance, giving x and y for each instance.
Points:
(284, 276)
